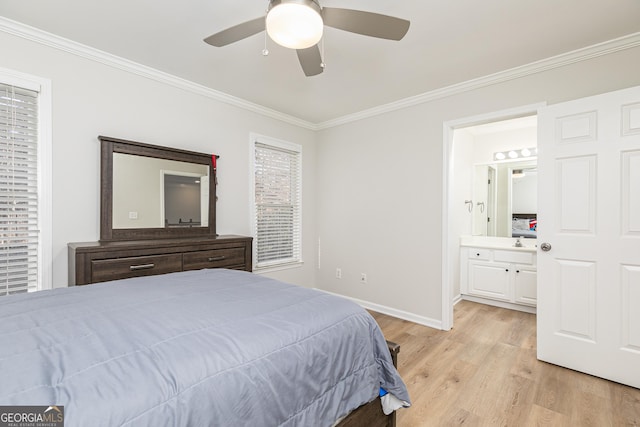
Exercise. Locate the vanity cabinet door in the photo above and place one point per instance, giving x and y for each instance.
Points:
(489, 279)
(525, 289)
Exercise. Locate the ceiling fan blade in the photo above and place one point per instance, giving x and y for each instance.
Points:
(236, 33)
(365, 23)
(310, 60)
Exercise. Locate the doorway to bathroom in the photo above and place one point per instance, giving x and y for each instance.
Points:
(483, 156)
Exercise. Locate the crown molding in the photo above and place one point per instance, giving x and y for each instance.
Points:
(590, 52)
(60, 43)
(39, 36)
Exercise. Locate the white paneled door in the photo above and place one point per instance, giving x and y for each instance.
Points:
(589, 215)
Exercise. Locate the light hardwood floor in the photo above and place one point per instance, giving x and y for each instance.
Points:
(484, 372)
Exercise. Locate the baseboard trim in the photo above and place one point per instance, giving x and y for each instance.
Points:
(457, 299)
(389, 311)
(502, 304)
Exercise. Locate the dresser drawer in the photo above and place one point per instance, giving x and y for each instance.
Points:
(214, 258)
(91, 262)
(122, 268)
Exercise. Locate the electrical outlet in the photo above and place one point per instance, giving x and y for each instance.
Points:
(338, 273)
(363, 278)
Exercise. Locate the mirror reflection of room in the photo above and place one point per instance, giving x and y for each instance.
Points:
(159, 193)
(182, 197)
(524, 202)
(495, 167)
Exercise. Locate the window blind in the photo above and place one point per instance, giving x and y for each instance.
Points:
(18, 190)
(277, 203)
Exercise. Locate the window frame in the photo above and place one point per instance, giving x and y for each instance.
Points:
(297, 260)
(45, 167)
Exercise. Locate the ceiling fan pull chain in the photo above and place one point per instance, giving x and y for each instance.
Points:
(322, 63)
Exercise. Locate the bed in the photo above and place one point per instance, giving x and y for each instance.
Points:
(211, 347)
(524, 225)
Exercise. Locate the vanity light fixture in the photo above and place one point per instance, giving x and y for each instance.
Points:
(516, 154)
(296, 24)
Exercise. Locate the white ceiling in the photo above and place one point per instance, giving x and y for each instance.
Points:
(449, 41)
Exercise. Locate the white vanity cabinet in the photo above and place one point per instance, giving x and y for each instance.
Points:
(499, 276)
(524, 285)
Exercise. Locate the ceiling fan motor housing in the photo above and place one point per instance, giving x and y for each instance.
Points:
(296, 24)
(314, 4)
(299, 25)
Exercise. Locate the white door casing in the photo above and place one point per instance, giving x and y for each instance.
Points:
(589, 211)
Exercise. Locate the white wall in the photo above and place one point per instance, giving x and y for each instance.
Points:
(372, 188)
(472, 151)
(91, 99)
(486, 145)
(380, 183)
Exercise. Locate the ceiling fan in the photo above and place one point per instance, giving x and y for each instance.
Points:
(298, 24)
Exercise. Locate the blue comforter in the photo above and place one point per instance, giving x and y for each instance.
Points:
(199, 348)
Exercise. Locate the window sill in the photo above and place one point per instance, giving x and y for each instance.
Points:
(278, 267)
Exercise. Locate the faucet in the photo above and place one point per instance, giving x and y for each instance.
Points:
(518, 243)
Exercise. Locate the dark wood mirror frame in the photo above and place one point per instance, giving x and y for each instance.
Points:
(112, 145)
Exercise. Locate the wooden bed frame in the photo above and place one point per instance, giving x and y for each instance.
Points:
(371, 414)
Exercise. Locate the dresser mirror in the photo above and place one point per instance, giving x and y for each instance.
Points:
(154, 192)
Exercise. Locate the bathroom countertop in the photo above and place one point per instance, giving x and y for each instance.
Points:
(504, 243)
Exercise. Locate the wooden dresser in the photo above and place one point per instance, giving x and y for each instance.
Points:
(93, 262)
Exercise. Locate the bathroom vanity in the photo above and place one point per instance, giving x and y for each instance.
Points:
(496, 272)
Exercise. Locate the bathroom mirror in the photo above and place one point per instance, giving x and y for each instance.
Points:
(152, 192)
(505, 199)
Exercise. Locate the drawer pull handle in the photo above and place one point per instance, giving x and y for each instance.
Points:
(141, 267)
(216, 258)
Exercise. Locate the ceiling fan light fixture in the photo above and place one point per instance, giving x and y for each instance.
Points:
(295, 24)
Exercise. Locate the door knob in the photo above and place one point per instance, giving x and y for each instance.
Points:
(545, 247)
